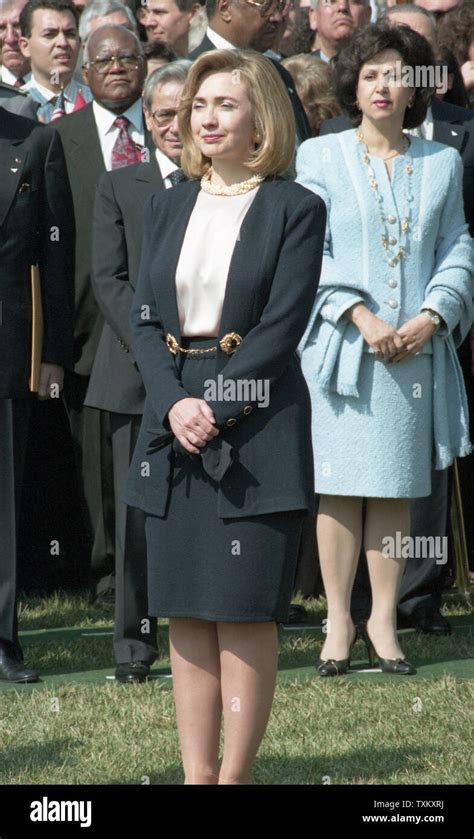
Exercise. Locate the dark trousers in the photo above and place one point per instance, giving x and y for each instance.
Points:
(135, 631)
(14, 418)
(90, 431)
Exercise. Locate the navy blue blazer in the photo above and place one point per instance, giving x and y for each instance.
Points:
(271, 286)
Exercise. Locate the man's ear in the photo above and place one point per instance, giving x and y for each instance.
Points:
(24, 45)
(313, 19)
(85, 74)
(223, 9)
(367, 15)
(195, 8)
(148, 119)
(140, 14)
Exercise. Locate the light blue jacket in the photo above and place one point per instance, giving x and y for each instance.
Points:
(436, 272)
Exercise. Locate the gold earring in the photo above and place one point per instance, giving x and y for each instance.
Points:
(411, 102)
(257, 138)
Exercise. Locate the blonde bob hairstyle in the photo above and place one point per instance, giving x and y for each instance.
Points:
(274, 121)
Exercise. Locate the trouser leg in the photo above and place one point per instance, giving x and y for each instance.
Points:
(90, 431)
(135, 631)
(14, 417)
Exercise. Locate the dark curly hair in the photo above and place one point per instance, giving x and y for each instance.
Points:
(368, 42)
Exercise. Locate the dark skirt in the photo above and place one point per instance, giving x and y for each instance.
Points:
(201, 566)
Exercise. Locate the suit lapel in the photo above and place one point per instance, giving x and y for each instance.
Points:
(169, 257)
(12, 165)
(249, 241)
(86, 142)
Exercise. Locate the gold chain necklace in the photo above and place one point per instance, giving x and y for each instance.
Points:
(386, 239)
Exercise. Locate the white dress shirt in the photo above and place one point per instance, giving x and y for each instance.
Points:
(166, 166)
(9, 78)
(108, 132)
(219, 42)
(203, 265)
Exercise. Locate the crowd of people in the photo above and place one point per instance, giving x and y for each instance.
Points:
(252, 226)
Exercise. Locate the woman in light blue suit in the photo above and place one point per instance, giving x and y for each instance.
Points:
(379, 356)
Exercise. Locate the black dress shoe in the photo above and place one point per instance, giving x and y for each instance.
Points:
(297, 614)
(132, 671)
(12, 669)
(431, 623)
(104, 598)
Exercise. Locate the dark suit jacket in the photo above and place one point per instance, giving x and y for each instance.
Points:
(85, 165)
(453, 126)
(115, 383)
(36, 225)
(303, 129)
(271, 286)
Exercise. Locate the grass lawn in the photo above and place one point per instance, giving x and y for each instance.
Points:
(360, 729)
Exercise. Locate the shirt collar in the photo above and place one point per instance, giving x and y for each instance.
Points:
(105, 118)
(219, 42)
(69, 93)
(9, 78)
(165, 164)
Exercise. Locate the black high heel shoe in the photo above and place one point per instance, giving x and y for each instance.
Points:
(396, 666)
(333, 667)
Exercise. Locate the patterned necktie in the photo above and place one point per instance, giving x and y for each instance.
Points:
(177, 176)
(124, 152)
(59, 108)
(19, 82)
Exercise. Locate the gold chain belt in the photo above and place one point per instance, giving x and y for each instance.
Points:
(228, 344)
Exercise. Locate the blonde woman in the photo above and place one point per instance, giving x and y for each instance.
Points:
(223, 464)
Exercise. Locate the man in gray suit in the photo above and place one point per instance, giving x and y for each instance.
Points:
(115, 384)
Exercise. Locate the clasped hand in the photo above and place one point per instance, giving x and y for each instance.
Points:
(396, 345)
(192, 422)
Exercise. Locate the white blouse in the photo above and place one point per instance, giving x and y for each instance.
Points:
(203, 265)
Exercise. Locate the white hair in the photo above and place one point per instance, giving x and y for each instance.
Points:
(102, 8)
(138, 43)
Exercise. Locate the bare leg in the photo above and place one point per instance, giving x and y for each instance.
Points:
(385, 516)
(196, 684)
(339, 534)
(249, 657)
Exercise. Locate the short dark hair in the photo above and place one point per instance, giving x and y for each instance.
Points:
(26, 15)
(368, 42)
(211, 8)
(154, 49)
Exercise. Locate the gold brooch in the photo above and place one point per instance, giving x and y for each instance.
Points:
(172, 344)
(230, 342)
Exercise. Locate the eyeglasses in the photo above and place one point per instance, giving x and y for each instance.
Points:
(163, 118)
(103, 65)
(268, 6)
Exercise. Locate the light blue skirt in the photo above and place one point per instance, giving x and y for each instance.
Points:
(379, 444)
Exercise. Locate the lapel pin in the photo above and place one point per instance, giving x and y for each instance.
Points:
(454, 133)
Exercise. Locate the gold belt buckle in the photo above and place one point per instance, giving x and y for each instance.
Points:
(230, 342)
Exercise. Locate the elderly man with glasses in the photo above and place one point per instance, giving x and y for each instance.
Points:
(251, 24)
